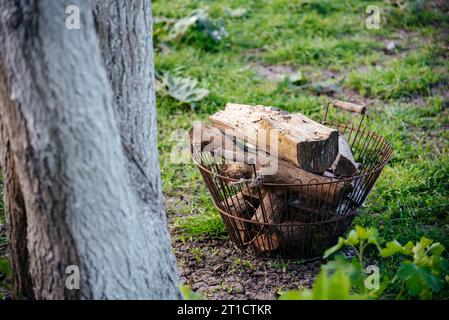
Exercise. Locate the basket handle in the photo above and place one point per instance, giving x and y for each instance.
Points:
(348, 106)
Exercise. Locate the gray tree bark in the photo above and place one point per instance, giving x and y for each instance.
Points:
(78, 152)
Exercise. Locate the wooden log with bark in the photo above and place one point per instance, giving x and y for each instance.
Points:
(237, 170)
(271, 209)
(266, 242)
(239, 207)
(293, 137)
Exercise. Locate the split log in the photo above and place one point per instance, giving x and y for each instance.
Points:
(306, 209)
(344, 164)
(266, 242)
(271, 209)
(237, 162)
(252, 192)
(205, 138)
(237, 170)
(239, 207)
(294, 137)
(238, 204)
(329, 174)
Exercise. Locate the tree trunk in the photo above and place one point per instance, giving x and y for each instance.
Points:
(78, 150)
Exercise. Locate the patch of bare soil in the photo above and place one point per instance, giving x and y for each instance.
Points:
(441, 89)
(319, 81)
(216, 270)
(273, 73)
(254, 53)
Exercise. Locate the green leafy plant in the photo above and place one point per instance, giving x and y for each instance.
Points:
(198, 28)
(426, 272)
(359, 239)
(197, 253)
(423, 274)
(184, 90)
(327, 286)
(189, 294)
(6, 271)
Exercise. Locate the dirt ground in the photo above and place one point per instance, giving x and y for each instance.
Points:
(216, 270)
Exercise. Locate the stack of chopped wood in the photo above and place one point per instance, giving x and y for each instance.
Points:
(274, 146)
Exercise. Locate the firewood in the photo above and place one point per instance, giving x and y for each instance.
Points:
(238, 206)
(329, 174)
(291, 232)
(293, 137)
(264, 242)
(289, 174)
(255, 192)
(304, 209)
(207, 139)
(237, 170)
(202, 135)
(344, 164)
(284, 172)
(271, 209)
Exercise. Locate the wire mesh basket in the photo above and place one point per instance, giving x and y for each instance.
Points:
(310, 215)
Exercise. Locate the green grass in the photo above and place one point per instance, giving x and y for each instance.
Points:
(410, 199)
(406, 76)
(328, 42)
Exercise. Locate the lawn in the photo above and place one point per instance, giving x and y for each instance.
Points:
(297, 55)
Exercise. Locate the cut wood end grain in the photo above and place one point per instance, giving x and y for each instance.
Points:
(344, 164)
